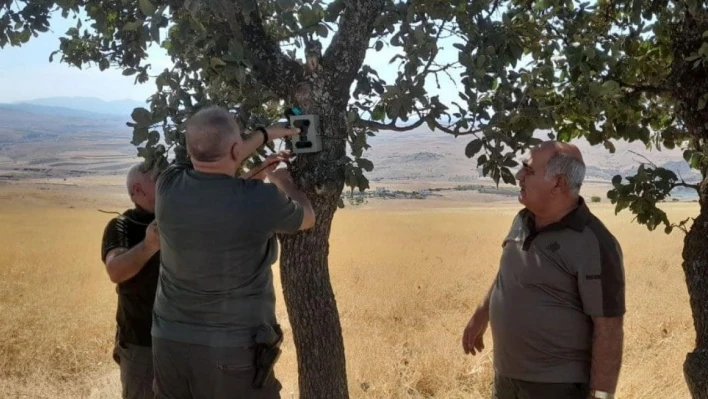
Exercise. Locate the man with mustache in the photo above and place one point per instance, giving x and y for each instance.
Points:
(557, 304)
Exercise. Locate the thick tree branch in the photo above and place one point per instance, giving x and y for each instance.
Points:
(645, 89)
(456, 131)
(686, 185)
(274, 69)
(389, 126)
(300, 32)
(346, 53)
(421, 120)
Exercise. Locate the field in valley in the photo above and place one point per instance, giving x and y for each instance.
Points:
(404, 294)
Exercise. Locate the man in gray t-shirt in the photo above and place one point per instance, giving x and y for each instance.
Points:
(215, 298)
(557, 304)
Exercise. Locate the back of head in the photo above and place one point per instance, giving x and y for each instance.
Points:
(209, 134)
(140, 182)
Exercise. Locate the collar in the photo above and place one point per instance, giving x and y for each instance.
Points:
(575, 219)
(140, 214)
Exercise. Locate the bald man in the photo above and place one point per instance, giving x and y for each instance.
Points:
(130, 252)
(214, 316)
(557, 304)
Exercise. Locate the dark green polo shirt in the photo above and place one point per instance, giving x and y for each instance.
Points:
(550, 284)
(217, 244)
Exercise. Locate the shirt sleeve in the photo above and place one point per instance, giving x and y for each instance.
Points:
(601, 279)
(115, 235)
(281, 214)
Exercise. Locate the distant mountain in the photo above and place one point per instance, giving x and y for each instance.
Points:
(21, 123)
(89, 104)
(61, 112)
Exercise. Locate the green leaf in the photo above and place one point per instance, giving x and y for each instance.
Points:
(507, 176)
(216, 61)
(379, 45)
(155, 32)
(687, 155)
(286, 4)
(322, 30)
(516, 50)
(131, 26)
(140, 134)
(365, 164)
(363, 183)
(610, 86)
(473, 148)
(146, 7)
(142, 116)
(702, 102)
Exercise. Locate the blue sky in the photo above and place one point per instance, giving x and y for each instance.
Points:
(26, 73)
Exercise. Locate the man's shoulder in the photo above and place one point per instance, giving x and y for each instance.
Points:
(602, 236)
(168, 175)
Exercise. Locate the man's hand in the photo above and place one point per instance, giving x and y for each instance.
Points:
(271, 162)
(152, 237)
(473, 337)
(123, 263)
(280, 177)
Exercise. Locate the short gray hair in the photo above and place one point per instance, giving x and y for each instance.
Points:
(562, 164)
(136, 173)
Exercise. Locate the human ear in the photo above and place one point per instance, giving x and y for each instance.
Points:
(137, 189)
(561, 185)
(233, 151)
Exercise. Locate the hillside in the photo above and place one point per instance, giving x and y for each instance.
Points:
(48, 141)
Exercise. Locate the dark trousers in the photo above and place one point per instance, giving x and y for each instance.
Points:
(136, 371)
(509, 388)
(187, 371)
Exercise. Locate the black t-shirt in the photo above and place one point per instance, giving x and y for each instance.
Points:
(136, 295)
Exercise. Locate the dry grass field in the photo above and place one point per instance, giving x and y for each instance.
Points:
(406, 282)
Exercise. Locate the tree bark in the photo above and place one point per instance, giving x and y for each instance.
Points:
(689, 84)
(304, 268)
(695, 267)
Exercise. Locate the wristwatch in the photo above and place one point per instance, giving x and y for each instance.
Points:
(265, 133)
(601, 394)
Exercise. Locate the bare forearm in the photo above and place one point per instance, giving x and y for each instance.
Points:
(298, 196)
(252, 142)
(125, 265)
(608, 339)
(484, 305)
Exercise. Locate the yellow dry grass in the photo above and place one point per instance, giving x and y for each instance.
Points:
(406, 283)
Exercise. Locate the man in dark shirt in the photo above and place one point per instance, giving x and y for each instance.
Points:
(215, 303)
(130, 251)
(557, 304)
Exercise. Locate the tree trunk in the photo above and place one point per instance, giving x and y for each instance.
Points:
(695, 266)
(689, 84)
(304, 268)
